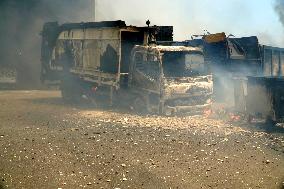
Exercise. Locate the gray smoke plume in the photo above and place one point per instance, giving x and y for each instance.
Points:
(279, 7)
(20, 26)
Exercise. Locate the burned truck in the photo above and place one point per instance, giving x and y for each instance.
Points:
(254, 73)
(169, 79)
(116, 63)
(228, 58)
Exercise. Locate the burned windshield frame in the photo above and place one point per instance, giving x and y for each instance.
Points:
(178, 67)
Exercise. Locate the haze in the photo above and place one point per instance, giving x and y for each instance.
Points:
(237, 17)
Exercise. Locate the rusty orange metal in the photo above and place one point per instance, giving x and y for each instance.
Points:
(214, 38)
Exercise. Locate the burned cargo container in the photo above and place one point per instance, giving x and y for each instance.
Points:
(124, 64)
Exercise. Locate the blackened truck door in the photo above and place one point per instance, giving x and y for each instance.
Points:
(145, 71)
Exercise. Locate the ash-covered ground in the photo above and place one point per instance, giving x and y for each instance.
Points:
(47, 144)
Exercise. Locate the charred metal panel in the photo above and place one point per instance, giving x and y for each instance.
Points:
(128, 41)
(92, 49)
(267, 59)
(249, 46)
(161, 33)
(165, 33)
(91, 54)
(273, 61)
(266, 97)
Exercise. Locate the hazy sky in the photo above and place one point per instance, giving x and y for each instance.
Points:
(238, 17)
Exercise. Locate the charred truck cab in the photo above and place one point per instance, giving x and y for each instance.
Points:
(118, 63)
(170, 79)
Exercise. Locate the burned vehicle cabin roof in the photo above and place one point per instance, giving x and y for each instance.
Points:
(164, 33)
(160, 48)
(85, 25)
(100, 25)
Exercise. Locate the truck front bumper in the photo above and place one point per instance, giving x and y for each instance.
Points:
(192, 110)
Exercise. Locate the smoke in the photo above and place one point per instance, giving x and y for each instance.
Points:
(279, 7)
(195, 16)
(20, 26)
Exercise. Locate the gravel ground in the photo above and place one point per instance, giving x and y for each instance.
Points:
(46, 144)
